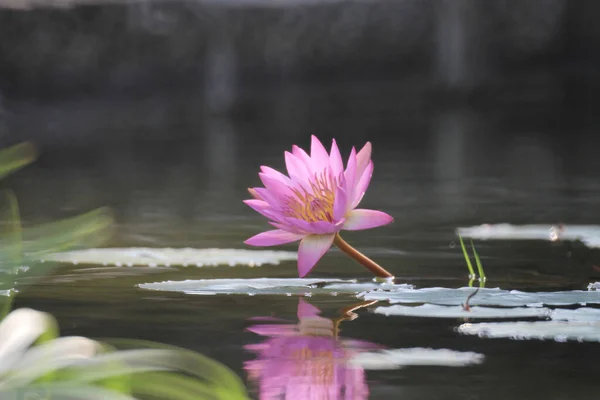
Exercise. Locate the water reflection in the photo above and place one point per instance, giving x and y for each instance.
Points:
(308, 360)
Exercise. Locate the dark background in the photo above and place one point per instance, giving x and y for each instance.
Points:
(479, 111)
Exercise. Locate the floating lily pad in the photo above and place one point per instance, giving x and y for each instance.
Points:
(588, 234)
(583, 314)
(153, 257)
(293, 286)
(398, 358)
(594, 286)
(559, 331)
(485, 297)
(435, 311)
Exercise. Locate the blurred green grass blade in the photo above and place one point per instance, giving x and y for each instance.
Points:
(138, 356)
(166, 385)
(133, 361)
(478, 262)
(86, 230)
(191, 363)
(16, 157)
(467, 258)
(90, 229)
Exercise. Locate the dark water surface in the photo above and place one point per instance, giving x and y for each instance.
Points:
(175, 177)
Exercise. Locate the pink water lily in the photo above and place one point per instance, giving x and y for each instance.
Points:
(315, 201)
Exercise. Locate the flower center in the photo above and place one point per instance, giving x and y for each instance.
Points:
(315, 206)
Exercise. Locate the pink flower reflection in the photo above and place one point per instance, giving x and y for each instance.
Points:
(306, 361)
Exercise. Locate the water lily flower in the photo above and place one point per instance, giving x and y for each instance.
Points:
(315, 201)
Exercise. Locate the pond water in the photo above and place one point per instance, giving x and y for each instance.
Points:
(175, 177)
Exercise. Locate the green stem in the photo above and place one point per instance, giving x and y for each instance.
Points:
(363, 260)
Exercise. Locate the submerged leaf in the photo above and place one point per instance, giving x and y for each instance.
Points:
(168, 256)
(559, 331)
(398, 358)
(583, 314)
(435, 311)
(271, 286)
(486, 297)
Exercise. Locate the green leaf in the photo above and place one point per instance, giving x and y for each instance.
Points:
(16, 157)
(467, 258)
(482, 277)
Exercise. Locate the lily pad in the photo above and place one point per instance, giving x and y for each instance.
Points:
(273, 286)
(485, 297)
(398, 358)
(435, 311)
(588, 234)
(153, 257)
(560, 331)
(583, 314)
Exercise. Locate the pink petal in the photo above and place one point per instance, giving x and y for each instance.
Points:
(362, 185)
(362, 158)
(317, 228)
(340, 203)
(311, 250)
(275, 187)
(304, 157)
(335, 160)
(274, 215)
(273, 330)
(350, 173)
(365, 219)
(273, 238)
(306, 309)
(273, 173)
(254, 194)
(318, 155)
(267, 196)
(296, 168)
(259, 206)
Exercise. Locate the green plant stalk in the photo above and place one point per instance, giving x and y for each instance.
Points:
(478, 262)
(467, 258)
(363, 260)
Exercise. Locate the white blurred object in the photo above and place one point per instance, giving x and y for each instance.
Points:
(398, 358)
(434, 311)
(560, 331)
(20, 363)
(588, 234)
(494, 297)
(168, 256)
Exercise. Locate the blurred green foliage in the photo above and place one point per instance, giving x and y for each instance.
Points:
(35, 363)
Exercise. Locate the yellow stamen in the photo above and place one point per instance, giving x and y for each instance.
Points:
(315, 206)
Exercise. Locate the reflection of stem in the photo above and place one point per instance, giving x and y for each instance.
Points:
(349, 315)
(363, 260)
